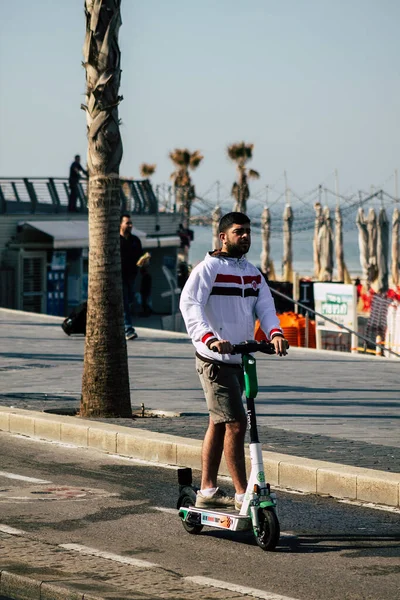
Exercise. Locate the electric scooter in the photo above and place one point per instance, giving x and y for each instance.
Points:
(258, 511)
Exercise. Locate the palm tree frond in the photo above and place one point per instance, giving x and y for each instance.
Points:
(195, 159)
(146, 170)
(240, 152)
(253, 174)
(180, 157)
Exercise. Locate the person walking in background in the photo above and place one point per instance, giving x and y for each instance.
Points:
(219, 303)
(131, 251)
(75, 171)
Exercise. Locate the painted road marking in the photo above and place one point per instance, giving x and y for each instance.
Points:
(262, 595)
(11, 530)
(136, 562)
(22, 477)
(170, 511)
(51, 493)
(241, 589)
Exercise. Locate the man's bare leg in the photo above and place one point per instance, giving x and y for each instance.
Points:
(211, 454)
(234, 454)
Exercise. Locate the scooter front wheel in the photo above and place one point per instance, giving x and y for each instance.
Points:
(185, 501)
(269, 532)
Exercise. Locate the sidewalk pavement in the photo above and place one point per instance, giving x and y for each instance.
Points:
(328, 423)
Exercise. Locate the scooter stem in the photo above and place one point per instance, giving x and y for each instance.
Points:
(251, 387)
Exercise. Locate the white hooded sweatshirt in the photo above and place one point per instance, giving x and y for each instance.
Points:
(221, 300)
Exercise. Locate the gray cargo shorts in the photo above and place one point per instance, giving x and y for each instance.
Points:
(223, 389)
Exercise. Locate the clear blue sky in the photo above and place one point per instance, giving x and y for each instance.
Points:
(314, 84)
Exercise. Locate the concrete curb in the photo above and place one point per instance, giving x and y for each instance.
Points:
(21, 587)
(286, 471)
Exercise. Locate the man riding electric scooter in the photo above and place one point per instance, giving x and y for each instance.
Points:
(220, 303)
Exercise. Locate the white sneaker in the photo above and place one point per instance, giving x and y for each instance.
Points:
(217, 499)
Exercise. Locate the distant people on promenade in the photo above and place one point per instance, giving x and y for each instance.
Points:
(75, 171)
(185, 235)
(131, 252)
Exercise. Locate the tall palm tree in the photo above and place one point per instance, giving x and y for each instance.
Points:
(105, 382)
(184, 161)
(240, 153)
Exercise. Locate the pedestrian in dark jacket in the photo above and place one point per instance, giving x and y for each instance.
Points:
(131, 251)
(75, 171)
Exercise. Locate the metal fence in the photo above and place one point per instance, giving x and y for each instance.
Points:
(51, 194)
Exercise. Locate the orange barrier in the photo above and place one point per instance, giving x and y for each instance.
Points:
(294, 329)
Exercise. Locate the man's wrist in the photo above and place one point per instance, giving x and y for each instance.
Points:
(276, 333)
(208, 339)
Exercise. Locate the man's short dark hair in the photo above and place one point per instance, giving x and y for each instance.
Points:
(77, 156)
(125, 214)
(230, 218)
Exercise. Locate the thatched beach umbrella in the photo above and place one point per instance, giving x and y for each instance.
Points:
(216, 216)
(287, 262)
(341, 269)
(319, 219)
(383, 251)
(395, 267)
(325, 239)
(372, 228)
(363, 243)
(267, 266)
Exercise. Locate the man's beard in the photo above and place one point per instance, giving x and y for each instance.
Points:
(236, 250)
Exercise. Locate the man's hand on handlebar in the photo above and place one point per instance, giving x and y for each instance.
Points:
(221, 346)
(280, 345)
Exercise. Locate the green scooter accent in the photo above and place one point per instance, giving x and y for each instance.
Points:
(250, 376)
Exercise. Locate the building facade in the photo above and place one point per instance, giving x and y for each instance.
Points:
(44, 248)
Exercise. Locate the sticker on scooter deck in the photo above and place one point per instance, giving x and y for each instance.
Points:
(216, 519)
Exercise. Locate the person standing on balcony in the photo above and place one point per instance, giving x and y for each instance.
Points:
(75, 171)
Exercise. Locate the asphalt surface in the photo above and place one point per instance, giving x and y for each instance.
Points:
(108, 504)
(320, 405)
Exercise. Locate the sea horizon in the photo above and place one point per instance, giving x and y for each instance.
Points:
(302, 250)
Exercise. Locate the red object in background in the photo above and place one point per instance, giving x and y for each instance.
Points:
(294, 329)
(366, 299)
(394, 294)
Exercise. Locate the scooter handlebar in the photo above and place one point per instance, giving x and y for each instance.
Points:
(250, 346)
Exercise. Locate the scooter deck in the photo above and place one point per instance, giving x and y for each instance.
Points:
(222, 519)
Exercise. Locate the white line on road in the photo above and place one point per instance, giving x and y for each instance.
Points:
(136, 562)
(22, 477)
(241, 589)
(170, 511)
(11, 530)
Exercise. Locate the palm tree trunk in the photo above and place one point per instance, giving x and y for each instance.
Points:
(105, 382)
(216, 216)
(363, 244)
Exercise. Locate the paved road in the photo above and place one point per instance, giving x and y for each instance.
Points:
(330, 406)
(89, 503)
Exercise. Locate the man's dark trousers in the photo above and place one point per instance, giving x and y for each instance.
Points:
(73, 196)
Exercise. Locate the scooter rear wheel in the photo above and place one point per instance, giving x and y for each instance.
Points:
(193, 529)
(268, 536)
